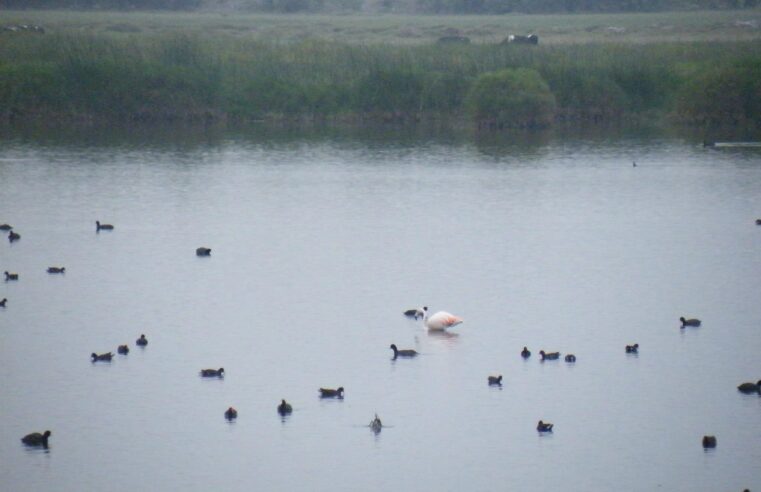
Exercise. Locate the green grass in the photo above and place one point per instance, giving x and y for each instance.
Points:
(138, 66)
(410, 30)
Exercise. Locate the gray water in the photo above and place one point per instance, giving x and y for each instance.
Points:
(318, 245)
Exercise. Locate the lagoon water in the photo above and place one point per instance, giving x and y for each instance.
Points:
(318, 245)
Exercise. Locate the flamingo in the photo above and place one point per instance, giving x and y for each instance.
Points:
(440, 321)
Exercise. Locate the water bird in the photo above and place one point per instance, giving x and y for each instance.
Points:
(632, 349)
(231, 413)
(37, 439)
(13, 236)
(402, 353)
(102, 357)
(5, 227)
(213, 373)
(525, 353)
(2, 303)
(142, 341)
(440, 321)
(10, 276)
(495, 380)
(570, 358)
(709, 442)
(758, 221)
(123, 349)
(103, 227)
(689, 322)
(550, 355)
(544, 426)
(416, 313)
(332, 393)
(56, 269)
(376, 425)
(203, 251)
(284, 408)
(749, 388)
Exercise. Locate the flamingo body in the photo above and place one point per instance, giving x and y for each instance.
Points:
(441, 320)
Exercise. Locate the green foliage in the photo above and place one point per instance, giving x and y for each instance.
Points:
(512, 97)
(183, 76)
(729, 94)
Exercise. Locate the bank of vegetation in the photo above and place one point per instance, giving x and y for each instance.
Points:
(176, 77)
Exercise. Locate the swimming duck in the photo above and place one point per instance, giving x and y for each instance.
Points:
(709, 441)
(103, 227)
(142, 341)
(2, 303)
(570, 358)
(11, 276)
(402, 353)
(332, 393)
(231, 413)
(544, 426)
(284, 408)
(5, 227)
(525, 353)
(102, 357)
(495, 380)
(440, 321)
(212, 373)
(758, 221)
(632, 349)
(123, 349)
(416, 313)
(37, 439)
(749, 388)
(689, 322)
(203, 251)
(376, 425)
(549, 356)
(13, 236)
(56, 269)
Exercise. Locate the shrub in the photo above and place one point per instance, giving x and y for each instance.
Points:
(511, 97)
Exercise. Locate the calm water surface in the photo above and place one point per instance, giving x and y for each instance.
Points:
(318, 245)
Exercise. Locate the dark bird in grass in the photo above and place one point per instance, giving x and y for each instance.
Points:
(13, 236)
(550, 355)
(332, 393)
(525, 353)
(495, 380)
(402, 353)
(284, 408)
(544, 426)
(632, 349)
(231, 413)
(123, 349)
(709, 442)
(11, 276)
(102, 357)
(37, 439)
(750, 388)
(689, 322)
(203, 251)
(213, 373)
(103, 227)
(142, 341)
(56, 269)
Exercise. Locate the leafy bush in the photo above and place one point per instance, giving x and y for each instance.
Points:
(511, 97)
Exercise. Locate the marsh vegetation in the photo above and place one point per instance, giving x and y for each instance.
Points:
(135, 67)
